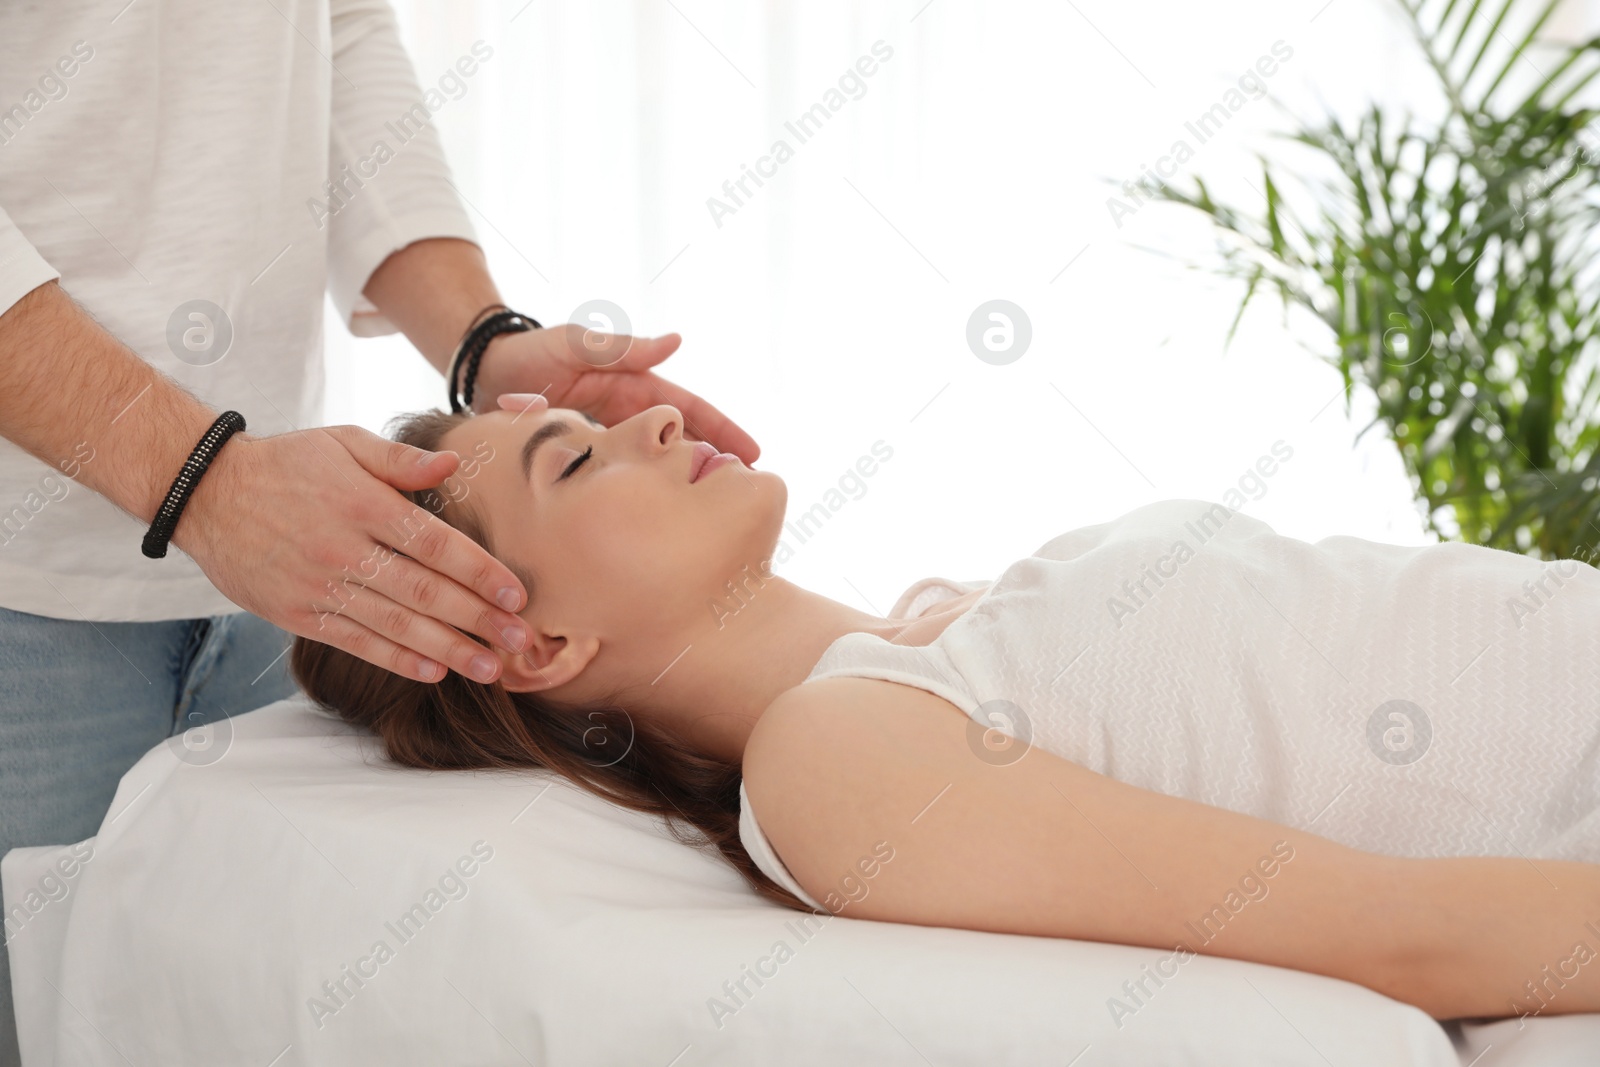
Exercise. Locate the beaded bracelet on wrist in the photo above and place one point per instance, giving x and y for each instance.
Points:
(469, 353)
(166, 520)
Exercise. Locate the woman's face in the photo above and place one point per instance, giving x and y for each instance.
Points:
(626, 553)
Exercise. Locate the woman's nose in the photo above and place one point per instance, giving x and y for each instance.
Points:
(664, 426)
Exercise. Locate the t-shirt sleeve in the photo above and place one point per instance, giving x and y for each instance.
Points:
(765, 856)
(22, 268)
(404, 193)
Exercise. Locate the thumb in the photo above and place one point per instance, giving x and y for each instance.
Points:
(642, 353)
(400, 465)
(595, 350)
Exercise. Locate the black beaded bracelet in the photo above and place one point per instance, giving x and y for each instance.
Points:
(469, 353)
(166, 520)
(455, 359)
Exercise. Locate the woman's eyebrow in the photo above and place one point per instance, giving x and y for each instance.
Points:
(552, 429)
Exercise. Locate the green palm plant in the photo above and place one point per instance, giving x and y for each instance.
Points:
(1453, 263)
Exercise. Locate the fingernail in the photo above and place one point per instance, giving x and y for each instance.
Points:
(422, 460)
(507, 598)
(430, 670)
(482, 667)
(515, 636)
(519, 398)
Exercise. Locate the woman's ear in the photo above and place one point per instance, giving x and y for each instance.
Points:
(550, 661)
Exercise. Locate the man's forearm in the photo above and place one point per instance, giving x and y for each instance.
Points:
(83, 402)
(431, 290)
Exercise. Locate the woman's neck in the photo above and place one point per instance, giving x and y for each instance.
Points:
(730, 665)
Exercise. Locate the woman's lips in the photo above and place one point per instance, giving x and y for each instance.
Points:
(706, 459)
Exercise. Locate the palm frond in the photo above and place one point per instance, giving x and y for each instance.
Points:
(1453, 263)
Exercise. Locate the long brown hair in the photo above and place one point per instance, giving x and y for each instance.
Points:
(458, 723)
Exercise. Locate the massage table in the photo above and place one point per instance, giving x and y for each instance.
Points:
(269, 891)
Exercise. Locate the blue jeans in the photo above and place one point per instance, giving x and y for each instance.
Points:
(81, 701)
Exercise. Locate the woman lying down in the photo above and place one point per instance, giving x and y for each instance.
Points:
(1177, 729)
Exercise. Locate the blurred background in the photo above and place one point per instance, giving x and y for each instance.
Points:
(829, 310)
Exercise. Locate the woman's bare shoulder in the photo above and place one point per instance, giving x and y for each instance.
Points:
(837, 770)
(830, 722)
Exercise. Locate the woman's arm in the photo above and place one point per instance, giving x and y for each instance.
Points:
(843, 772)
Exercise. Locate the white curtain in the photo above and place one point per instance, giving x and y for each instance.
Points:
(827, 308)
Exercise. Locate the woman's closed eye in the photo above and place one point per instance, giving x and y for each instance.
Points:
(575, 464)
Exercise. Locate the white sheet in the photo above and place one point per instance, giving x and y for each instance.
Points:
(221, 897)
(36, 882)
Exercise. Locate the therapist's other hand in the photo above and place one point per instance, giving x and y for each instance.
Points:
(606, 375)
(307, 530)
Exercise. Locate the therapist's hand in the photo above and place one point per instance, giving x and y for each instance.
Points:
(302, 529)
(605, 375)
(432, 288)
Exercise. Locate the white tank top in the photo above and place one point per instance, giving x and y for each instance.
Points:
(1437, 700)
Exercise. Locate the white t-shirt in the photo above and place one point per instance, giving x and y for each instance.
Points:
(180, 151)
(1435, 700)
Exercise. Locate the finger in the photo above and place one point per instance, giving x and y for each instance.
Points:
(427, 471)
(427, 538)
(702, 419)
(440, 547)
(364, 643)
(401, 466)
(645, 352)
(417, 631)
(524, 402)
(618, 351)
(441, 609)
